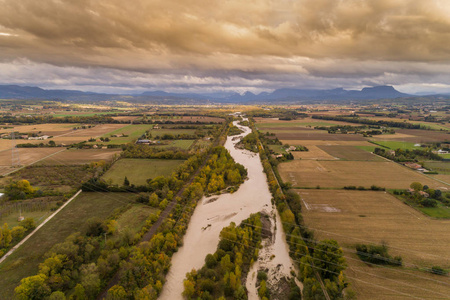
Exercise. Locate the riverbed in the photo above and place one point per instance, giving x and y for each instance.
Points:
(212, 215)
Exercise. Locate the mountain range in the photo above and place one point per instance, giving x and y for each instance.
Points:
(279, 95)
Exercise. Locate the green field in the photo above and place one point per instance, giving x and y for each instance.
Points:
(38, 216)
(367, 148)
(277, 149)
(139, 170)
(397, 145)
(25, 261)
(182, 144)
(133, 132)
(438, 166)
(87, 114)
(134, 218)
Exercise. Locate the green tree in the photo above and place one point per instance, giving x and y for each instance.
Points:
(33, 287)
(126, 182)
(18, 232)
(5, 236)
(329, 259)
(28, 224)
(58, 295)
(117, 292)
(416, 186)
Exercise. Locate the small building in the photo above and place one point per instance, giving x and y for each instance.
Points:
(156, 126)
(144, 142)
(391, 152)
(413, 165)
(291, 148)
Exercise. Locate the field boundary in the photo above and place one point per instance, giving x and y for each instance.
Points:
(11, 251)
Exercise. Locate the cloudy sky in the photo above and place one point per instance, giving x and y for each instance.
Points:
(212, 45)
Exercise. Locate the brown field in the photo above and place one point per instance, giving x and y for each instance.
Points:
(126, 118)
(420, 241)
(337, 174)
(45, 129)
(445, 178)
(350, 153)
(201, 119)
(321, 135)
(26, 155)
(419, 136)
(313, 153)
(80, 156)
(84, 134)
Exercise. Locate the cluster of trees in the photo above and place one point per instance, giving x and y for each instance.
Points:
(364, 130)
(143, 275)
(406, 155)
(83, 264)
(250, 142)
(424, 196)
(21, 189)
(11, 236)
(40, 145)
(356, 119)
(225, 271)
(324, 258)
(377, 254)
(361, 188)
(234, 130)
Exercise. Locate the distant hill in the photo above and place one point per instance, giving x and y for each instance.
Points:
(279, 95)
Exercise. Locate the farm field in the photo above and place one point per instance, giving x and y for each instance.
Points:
(419, 240)
(182, 144)
(397, 145)
(80, 156)
(44, 129)
(135, 217)
(139, 170)
(442, 167)
(38, 216)
(350, 153)
(337, 174)
(24, 262)
(80, 135)
(422, 136)
(313, 134)
(26, 156)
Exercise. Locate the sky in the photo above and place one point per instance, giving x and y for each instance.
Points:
(225, 45)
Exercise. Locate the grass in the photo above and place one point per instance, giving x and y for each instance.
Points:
(367, 148)
(38, 216)
(261, 126)
(134, 218)
(439, 212)
(440, 166)
(181, 144)
(25, 261)
(139, 170)
(278, 149)
(397, 145)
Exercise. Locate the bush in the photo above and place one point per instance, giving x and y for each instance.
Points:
(438, 271)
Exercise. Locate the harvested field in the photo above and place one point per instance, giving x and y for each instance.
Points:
(314, 153)
(350, 153)
(337, 174)
(313, 134)
(76, 136)
(126, 118)
(25, 261)
(44, 129)
(423, 136)
(80, 156)
(378, 216)
(181, 144)
(445, 178)
(27, 156)
(139, 170)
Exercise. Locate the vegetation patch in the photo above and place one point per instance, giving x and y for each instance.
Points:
(138, 171)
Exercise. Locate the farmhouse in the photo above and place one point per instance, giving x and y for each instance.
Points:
(144, 142)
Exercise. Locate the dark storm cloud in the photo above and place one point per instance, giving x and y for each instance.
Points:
(204, 43)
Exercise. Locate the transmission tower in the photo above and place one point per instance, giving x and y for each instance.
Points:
(15, 159)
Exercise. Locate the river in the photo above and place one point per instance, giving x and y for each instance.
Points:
(202, 236)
